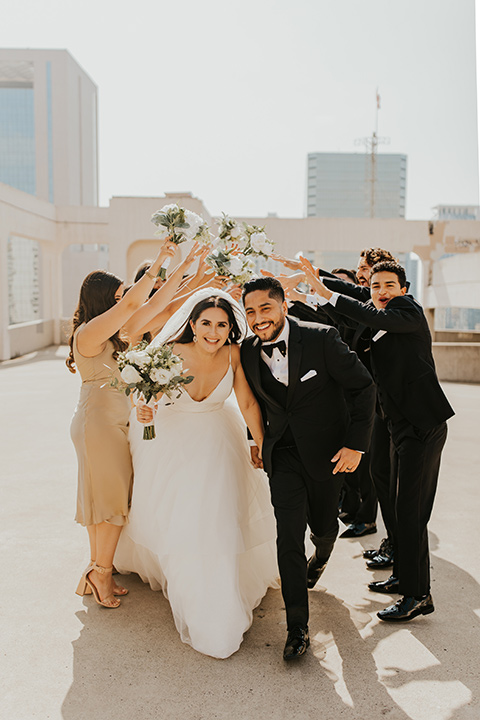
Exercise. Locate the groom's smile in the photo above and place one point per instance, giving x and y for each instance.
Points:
(265, 315)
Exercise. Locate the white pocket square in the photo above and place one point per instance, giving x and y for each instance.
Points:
(308, 375)
(378, 335)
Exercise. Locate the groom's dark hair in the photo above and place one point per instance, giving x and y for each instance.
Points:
(270, 284)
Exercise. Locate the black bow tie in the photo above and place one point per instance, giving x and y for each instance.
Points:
(281, 345)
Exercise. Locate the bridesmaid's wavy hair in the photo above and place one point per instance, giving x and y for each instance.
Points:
(97, 295)
(187, 335)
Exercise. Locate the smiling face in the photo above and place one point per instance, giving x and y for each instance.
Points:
(363, 272)
(383, 287)
(211, 328)
(265, 315)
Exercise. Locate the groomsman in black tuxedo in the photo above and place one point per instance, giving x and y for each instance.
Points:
(357, 336)
(416, 409)
(299, 373)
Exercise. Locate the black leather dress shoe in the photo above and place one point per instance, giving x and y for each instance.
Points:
(407, 608)
(346, 517)
(315, 568)
(385, 586)
(379, 561)
(384, 549)
(297, 643)
(358, 530)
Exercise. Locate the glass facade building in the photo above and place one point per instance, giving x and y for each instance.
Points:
(348, 185)
(17, 126)
(48, 126)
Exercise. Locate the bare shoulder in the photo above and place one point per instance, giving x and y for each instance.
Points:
(235, 350)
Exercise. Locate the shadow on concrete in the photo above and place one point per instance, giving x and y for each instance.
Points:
(54, 352)
(133, 659)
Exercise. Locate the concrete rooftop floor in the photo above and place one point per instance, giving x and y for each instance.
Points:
(63, 656)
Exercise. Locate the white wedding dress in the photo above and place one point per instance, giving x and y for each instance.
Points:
(201, 525)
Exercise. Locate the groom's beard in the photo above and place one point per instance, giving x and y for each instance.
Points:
(272, 332)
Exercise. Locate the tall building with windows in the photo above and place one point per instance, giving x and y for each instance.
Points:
(48, 126)
(351, 185)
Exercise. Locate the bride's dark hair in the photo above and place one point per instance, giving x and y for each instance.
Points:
(97, 295)
(214, 301)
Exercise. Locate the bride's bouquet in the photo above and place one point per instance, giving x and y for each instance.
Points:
(148, 371)
(179, 225)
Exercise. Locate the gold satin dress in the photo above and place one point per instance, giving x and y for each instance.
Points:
(99, 431)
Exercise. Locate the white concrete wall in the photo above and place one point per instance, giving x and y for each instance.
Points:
(126, 229)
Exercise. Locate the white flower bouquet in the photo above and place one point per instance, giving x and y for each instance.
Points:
(230, 234)
(179, 225)
(148, 371)
(231, 264)
(258, 243)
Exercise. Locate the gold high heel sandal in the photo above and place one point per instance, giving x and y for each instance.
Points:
(85, 583)
(85, 589)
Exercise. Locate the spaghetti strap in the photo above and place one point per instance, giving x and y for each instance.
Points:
(230, 355)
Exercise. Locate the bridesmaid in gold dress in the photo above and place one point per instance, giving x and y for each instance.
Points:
(102, 324)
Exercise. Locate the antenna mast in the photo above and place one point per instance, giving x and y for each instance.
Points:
(371, 144)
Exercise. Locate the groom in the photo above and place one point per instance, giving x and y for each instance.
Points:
(299, 373)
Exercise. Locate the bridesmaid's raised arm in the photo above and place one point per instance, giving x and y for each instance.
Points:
(92, 336)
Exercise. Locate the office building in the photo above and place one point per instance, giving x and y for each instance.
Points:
(355, 185)
(48, 126)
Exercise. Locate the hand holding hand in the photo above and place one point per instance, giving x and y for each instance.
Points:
(256, 456)
(347, 460)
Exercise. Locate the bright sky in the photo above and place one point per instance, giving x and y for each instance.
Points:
(226, 98)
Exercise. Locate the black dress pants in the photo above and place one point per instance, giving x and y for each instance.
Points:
(417, 455)
(381, 453)
(359, 496)
(299, 499)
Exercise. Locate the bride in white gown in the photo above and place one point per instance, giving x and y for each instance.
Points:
(201, 525)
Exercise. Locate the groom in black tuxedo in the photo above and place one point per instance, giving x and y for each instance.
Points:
(299, 373)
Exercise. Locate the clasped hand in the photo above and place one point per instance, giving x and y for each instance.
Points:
(144, 414)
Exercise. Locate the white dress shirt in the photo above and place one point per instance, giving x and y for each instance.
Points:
(278, 364)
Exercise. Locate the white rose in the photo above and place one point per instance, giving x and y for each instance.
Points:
(236, 231)
(235, 265)
(168, 208)
(163, 211)
(195, 222)
(129, 375)
(138, 357)
(162, 376)
(260, 242)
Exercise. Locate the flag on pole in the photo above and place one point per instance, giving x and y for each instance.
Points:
(378, 101)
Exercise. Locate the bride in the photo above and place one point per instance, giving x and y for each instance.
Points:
(201, 523)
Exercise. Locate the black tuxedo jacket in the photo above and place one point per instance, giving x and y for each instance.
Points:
(401, 360)
(315, 412)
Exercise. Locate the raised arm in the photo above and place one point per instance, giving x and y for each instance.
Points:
(401, 314)
(144, 319)
(91, 338)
